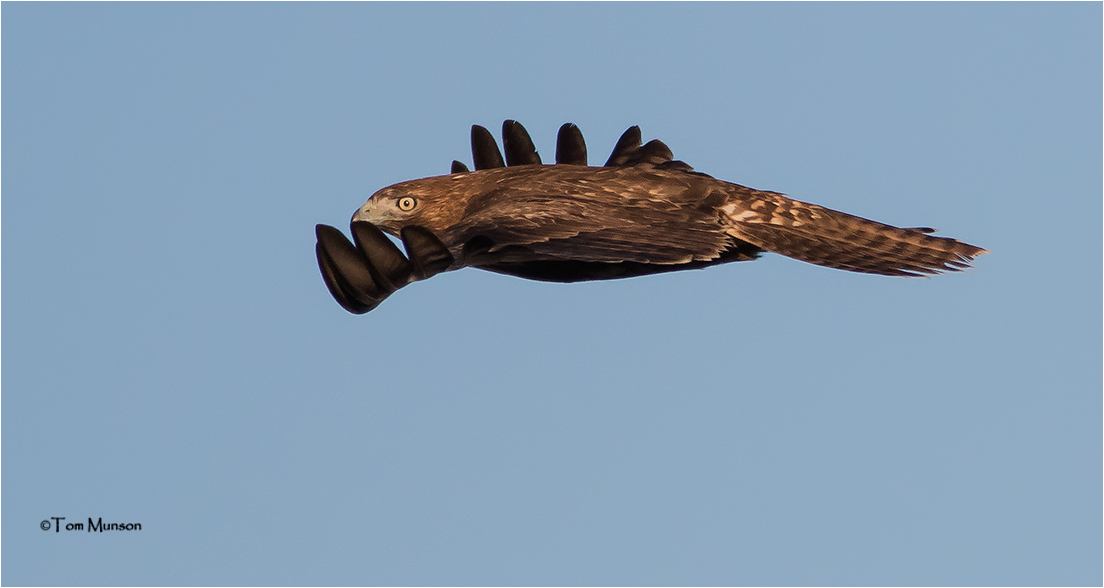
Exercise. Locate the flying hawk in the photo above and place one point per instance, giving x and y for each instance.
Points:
(642, 213)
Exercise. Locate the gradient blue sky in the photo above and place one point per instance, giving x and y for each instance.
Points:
(172, 358)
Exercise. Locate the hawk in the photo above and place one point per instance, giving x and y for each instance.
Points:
(642, 213)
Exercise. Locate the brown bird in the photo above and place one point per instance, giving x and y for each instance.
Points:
(642, 213)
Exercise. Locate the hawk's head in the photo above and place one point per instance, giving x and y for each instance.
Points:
(434, 203)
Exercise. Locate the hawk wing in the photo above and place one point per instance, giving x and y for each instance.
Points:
(530, 230)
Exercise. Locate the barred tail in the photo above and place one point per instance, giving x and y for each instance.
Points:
(835, 239)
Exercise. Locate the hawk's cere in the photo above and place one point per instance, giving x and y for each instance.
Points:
(642, 213)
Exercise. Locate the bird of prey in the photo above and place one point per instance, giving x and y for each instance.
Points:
(641, 213)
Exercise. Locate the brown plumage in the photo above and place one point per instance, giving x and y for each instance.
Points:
(643, 208)
(642, 213)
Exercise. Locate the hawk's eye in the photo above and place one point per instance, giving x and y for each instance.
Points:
(407, 203)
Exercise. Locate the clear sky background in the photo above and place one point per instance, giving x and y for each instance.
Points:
(171, 356)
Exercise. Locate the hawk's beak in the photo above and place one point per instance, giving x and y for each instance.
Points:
(364, 213)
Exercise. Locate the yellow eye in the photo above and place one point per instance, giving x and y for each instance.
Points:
(407, 203)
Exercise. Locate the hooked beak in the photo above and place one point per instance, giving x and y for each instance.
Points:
(364, 213)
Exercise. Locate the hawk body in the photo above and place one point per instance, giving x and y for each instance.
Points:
(646, 215)
(532, 212)
(642, 213)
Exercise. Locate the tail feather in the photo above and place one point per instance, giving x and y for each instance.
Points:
(831, 238)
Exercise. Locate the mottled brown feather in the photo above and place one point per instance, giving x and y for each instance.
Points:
(836, 239)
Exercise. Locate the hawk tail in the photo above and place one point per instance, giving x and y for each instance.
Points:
(836, 239)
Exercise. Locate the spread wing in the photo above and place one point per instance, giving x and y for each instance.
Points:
(587, 252)
(643, 216)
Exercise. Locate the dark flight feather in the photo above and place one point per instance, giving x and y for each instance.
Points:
(485, 153)
(518, 146)
(570, 147)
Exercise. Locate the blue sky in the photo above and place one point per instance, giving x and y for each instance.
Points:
(172, 358)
